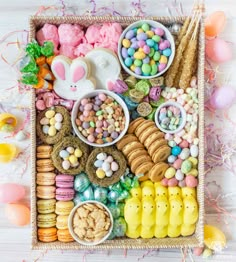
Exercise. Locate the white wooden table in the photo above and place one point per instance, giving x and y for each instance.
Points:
(15, 241)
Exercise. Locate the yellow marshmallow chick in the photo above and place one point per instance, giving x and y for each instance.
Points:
(160, 190)
(162, 217)
(147, 183)
(190, 212)
(174, 231)
(148, 217)
(136, 192)
(133, 215)
(148, 191)
(187, 230)
(188, 191)
(174, 192)
(176, 216)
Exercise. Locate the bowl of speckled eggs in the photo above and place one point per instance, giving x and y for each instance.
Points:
(170, 117)
(146, 49)
(100, 118)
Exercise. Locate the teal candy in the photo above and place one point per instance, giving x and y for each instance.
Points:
(131, 51)
(116, 187)
(119, 227)
(167, 52)
(176, 150)
(150, 42)
(113, 196)
(126, 182)
(88, 194)
(121, 207)
(115, 211)
(100, 194)
(128, 61)
(81, 182)
(186, 166)
(156, 47)
(77, 199)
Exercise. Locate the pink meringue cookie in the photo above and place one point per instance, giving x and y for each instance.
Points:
(67, 50)
(70, 34)
(110, 45)
(93, 34)
(48, 33)
(82, 49)
(111, 32)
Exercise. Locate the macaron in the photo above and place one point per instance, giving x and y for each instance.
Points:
(65, 194)
(44, 165)
(63, 208)
(46, 206)
(44, 151)
(45, 179)
(46, 192)
(64, 235)
(64, 181)
(62, 222)
(47, 234)
(46, 220)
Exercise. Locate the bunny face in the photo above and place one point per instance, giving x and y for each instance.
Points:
(73, 80)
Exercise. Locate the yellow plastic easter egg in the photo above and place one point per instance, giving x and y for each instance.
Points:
(148, 191)
(214, 238)
(7, 152)
(136, 192)
(160, 190)
(6, 118)
(190, 211)
(78, 153)
(17, 214)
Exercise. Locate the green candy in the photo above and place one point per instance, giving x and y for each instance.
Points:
(186, 166)
(29, 79)
(33, 49)
(115, 211)
(157, 103)
(152, 51)
(99, 113)
(119, 227)
(28, 65)
(124, 195)
(122, 208)
(157, 56)
(138, 62)
(135, 182)
(151, 116)
(143, 86)
(116, 187)
(47, 49)
(154, 69)
(145, 27)
(146, 68)
(156, 38)
(126, 182)
(92, 124)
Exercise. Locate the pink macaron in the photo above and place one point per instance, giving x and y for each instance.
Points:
(64, 181)
(65, 194)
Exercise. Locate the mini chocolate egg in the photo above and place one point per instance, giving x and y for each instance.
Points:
(58, 117)
(98, 163)
(45, 129)
(109, 159)
(109, 173)
(44, 121)
(78, 152)
(70, 149)
(20, 136)
(100, 173)
(81, 182)
(52, 121)
(49, 114)
(63, 154)
(102, 156)
(73, 159)
(52, 131)
(106, 166)
(10, 192)
(66, 164)
(58, 125)
(114, 166)
(17, 214)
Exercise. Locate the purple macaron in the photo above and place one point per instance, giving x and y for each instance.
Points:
(65, 194)
(64, 181)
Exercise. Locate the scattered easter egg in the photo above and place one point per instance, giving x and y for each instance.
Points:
(17, 214)
(20, 136)
(70, 149)
(214, 238)
(114, 166)
(218, 50)
(194, 150)
(7, 152)
(10, 192)
(66, 164)
(215, 23)
(102, 156)
(78, 152)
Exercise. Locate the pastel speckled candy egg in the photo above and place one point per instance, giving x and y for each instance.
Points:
(98, 163)
(70, 149)
(186, 166)
(102, 156)
(58, 117)
(10, 192)
(106, 166)
(184, 153)
(100, 173)
(194, 150)
(64, 154)
(170, 172)
(114, 166)
(66, 164)
(78, 153)
(191, 181)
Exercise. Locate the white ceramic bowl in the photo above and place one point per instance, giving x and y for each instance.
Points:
(70, 224)
(183, 115)
(92, 94)
(168, 37)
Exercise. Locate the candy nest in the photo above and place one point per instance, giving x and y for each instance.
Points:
(68, 142)
(91, 169)
(64, 130)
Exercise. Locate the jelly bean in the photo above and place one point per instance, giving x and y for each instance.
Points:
(150, 42)
(130, 34)
(128, 61)
(126, 43)
(156, 56)
(146, 60)
(161, 67)
(154, 69)
(141, 36)
(138, 62)
(146, 49)
(146, 69)
(170, 172)
(139, 55)
(186, 166)
(145, 27)
(156, 38)
(138, 70)
(163, 60)
(167, 52)
(131, 51)
(159, 31)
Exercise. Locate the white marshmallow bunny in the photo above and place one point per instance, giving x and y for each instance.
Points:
(73, 78)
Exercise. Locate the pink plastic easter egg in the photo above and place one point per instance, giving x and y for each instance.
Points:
(10, 193)
(222, 97)
(218, 50)
(215, 23)
(17, 214)
(197, 251)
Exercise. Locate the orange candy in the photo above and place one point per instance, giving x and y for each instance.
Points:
(215, 23)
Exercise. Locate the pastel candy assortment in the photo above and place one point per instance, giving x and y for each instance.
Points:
(51, 123)
(145, 50)
(70, 157)
(106, 165)
(170, 118)
(100, 119)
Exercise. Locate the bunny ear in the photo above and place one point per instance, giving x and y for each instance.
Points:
(79, 69)
(60, 67)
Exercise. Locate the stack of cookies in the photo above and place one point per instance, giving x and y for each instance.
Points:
(145, 149)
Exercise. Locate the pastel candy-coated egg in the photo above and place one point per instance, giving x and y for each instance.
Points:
(170, 172)
(10, 192)
(45, 129)
(182, 183)
(109, 173)
(146, 60)
(176, 150)
(73, 159)
(167, 52)
(130, 34)
(106, 166)
(101, 156)
(138, 70)
(191, 181)
(141, 36)
(20, 136)
(91, 138)
(114, 166)
(84, 101)
(194, 161)
(177, 164)
(167, 43)
(163, 60)
(146, 69)
(131, 51)
(172, 182)
(70, 149)
(134, 45)
(172, 143)
(100, 173)
(138, 62)
(141, 43)
(184, 153)
(17, 214)
(171, 159)
(154, 69)
(98, 163)
(161, 67)
(52, 121)
(152, 51)
(139, 30)
(152, 62)
(145, 27)
(215, 23)
(156, 38)
(218, 50)
(109, 159)
(58, 125)
(52, 131)
(124, 52)
(150, 42)
(186, 166)
(126, 43)
(50, 114)
(156, 56)
(128, 61)
(150, 33)
(146, 49)
(164, 181)
(133, 67)
(64, 154)
(66, 164)
(179, 175)
(159, 31)
(139, 55)
(162, 46)
(44, 121)
(58, 117)
(194, 150)
(193, 172)
(156, 47)
(78, 152)
(184, 144)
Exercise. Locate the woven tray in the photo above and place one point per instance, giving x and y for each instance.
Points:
(124, 243)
